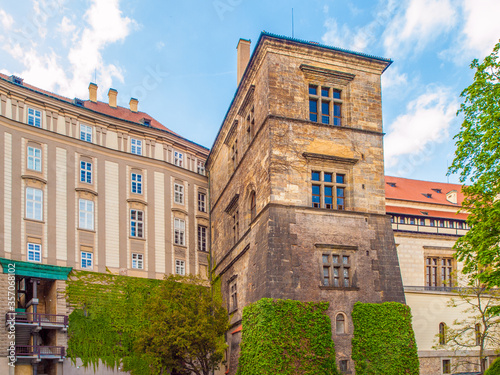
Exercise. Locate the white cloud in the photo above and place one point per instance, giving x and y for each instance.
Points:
(482, 25)
(426, 121)
(6, 19)
(104, 24)
(417, 24)
(160, 45)
(344, 37)
(392, 78)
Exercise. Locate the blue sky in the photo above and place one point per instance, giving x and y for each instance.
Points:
(179, 58)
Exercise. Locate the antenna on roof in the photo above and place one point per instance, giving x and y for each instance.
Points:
(292, 23)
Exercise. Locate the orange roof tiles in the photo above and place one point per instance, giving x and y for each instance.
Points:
(415, 190)
(425, 213)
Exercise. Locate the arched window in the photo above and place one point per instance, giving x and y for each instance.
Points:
(442, 333)
(253, 205)
(340, 323)
(477, 330)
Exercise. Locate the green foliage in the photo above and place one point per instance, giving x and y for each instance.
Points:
(286, 337)
(477, 159)
(494, 369)
(115, 319)
(384, 342)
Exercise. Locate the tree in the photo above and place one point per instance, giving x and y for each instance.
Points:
(478, 329)
(146, 326)
(186, 328)
(477, 160)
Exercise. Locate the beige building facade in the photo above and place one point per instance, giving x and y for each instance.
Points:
(92, 186)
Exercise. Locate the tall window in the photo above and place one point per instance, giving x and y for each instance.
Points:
(179, 232)
(136, 186)
(325, 105)
(202, 238)
(201, 167)
(340, 324)
(85, 133)
(86, 259)
(336, 270)
(328, 190)
(86, 172)
(136, 146)
(202, 202)
(446, 366)
(34, 117)
(34, 159)
(236, 226)
(34, 203)
(442, 333)
(180, 267)
(137, 261)
(253, 205)
(234, 154)
(136, 223)
(34, 252)
(178, 158)
(233, 290)
(438, 272)
(86, 214)
(179, 193)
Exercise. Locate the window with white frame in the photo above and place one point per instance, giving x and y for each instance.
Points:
(202, 202)
(86, 258)
(135, 146)
(179, 193)
(179, 232)
(34, 159)
(136, 186)
(34, 203)
(202, 238)
(34, 252)
(201, 167)
(178, 158)
(137, 261)
(35, 117)
(180, 267)
(85, 133)
(86, 172)
(86, 214)
(137, 223)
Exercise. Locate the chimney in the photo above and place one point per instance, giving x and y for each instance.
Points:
(93, 92)
(243, 57)
(133, 104)
(112, 94)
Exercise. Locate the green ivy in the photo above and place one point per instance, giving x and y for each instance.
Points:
(286, 337)
(494, 369)
(384, 341)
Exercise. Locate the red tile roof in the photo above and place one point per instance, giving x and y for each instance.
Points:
(416, 191)
(121, 113)
(428, 213)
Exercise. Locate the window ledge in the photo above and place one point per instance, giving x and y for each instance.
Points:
(351, 288)
(87, 230)
(35, 220)
(178, 245)
(233, 311)
(137, 238)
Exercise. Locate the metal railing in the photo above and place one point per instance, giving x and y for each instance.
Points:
(40, 351)
(39, 319)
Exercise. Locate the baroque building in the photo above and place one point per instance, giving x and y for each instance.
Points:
(297, 191)
(93, 186)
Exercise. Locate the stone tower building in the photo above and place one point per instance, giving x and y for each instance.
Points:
(297, 185)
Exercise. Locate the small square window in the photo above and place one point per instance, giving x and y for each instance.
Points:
(85, 133)
(180, 267)
(34, 252)
(135, 146)
(137, 261)
(343, 365)
(178, 158)
(86, 258)
(34, 117)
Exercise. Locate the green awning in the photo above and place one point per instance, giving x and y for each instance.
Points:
(43, 271)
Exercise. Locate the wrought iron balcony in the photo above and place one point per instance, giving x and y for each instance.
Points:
(40, 320)
(40, 352)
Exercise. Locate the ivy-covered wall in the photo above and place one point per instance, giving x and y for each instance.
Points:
(384, 341)
(286, 337)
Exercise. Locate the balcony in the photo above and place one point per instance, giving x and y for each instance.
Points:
(40, 352)
(49, 321)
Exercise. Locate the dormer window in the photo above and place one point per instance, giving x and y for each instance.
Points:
(146, 121)
(16, 80)
(437, 191)
(427, 195)
(78, 102)
(391, 184)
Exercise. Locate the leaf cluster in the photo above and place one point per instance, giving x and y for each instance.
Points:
(286, 337)
(384, 341)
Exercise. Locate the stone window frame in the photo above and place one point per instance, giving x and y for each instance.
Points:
(253, 205)
(180, 267)
(342, 369)
(179, 193)
(326, 260)
(34, 117)
(202, 201)
(137, 261)
(86, 133)
(332, 99)
(344, 321)
(34, 146)
(445, 367)
(334, 185)
(232, 289)
(447, 270)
